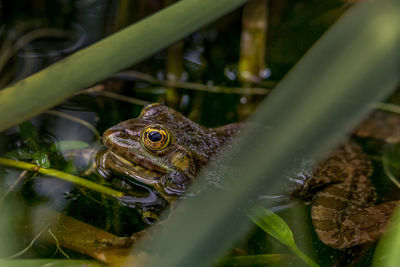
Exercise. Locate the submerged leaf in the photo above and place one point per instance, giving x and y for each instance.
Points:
(29, 135)
(34, 148)
(276, 227)
(71, 144)
(41, 159)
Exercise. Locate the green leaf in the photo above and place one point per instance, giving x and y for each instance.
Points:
(41, 159)
(29, 135)
(387, 251)
(276, 227)
(34, 149)
(272, 224)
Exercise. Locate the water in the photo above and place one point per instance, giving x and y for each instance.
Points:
(210, 57)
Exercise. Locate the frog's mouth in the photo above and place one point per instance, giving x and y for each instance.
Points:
(112, 161)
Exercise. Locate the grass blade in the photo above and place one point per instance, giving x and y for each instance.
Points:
(354, 64)
(387, 254)
(47, 88)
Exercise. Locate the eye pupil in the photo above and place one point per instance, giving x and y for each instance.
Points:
(154, 136)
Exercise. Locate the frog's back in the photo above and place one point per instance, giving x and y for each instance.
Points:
(343, 209)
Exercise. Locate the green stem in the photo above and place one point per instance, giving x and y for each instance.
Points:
(61, 175)
(303, 256)
(75, 119)
(253, 41)
(195, 86)
(387, 107)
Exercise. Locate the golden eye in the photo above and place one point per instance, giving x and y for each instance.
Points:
(155, 138)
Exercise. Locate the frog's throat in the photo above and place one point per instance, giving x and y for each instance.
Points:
(133, 170)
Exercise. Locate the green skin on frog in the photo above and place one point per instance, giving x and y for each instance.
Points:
(166, 150)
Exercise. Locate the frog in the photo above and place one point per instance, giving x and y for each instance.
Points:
(165, 150)
(162, 148)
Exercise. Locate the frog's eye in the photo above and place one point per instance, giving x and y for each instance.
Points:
(155, 138)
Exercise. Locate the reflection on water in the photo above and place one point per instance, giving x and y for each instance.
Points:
(137, 196)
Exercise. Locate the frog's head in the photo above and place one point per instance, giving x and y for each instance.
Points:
(161, 148)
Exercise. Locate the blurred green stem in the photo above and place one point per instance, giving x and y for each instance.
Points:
(387, 107)
(99, 89)
(253, 45)
(123, 14)
(174, 68)
(174, 72)
(253, 41)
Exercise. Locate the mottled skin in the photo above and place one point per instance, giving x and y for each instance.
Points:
(343, 208)
(343, 211)
(170, 170)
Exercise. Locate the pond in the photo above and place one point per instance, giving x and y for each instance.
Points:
(113, 163)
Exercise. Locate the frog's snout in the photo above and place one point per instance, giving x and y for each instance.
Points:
(119, 137)
(107, 137)
(110, 136)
